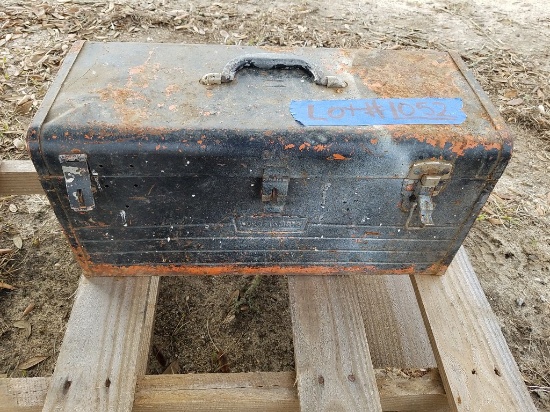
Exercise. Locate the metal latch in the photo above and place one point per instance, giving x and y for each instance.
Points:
(77, 179)
(274, 189)
(425, 180)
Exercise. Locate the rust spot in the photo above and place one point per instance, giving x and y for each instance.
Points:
(371, 234)
(91, 269)
(290, 146)
(374, 141)
(157, 147)
(171, 89)
(304, 145)
(320, 147)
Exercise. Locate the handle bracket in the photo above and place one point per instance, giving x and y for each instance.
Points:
(271, 61)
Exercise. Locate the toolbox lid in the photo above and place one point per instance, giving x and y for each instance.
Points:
(152, 95)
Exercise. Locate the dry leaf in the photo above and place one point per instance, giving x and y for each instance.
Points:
(23, 324)
(6, 286)
(19, 144)
(5, 251)
(18, 242)
(29, 363)
(172, 369)
(223, 362)
(24, 108)
(234, 297)
(229, 318)
(515, 102)
(12, 208)
(495, 221)
(28, 309)
(511, 94)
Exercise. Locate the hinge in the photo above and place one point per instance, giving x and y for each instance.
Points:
(78, 182)
(426, 179)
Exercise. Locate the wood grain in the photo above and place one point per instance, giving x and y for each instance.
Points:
(393, 323)
(333, 368)
(105, 346)
(235, 392)
(18, 177)
(477, 368)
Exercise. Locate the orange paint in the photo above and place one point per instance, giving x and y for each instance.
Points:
(290, 146)
(337, 156)
(374, 141)
(459, 144)
(320, 147)
(197, 270)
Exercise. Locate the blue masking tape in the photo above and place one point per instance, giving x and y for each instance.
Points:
(365, 112)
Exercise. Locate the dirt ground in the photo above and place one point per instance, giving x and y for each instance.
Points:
(233, 324)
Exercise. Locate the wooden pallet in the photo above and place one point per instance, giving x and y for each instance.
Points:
(349, 332)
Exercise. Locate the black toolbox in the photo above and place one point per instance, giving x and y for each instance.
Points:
(165, 159)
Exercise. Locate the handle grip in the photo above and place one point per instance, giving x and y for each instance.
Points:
(271, 61)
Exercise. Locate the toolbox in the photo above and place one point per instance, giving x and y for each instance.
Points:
(163, 159)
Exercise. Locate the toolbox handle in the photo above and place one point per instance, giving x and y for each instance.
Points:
(271, 61)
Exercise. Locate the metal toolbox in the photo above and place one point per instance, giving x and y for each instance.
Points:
(165, 159)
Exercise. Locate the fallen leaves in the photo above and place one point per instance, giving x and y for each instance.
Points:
(33, 361)
(23, 324)
(18, 242)
(6, 286)
(28, 309)
(514, 102)
(172, 369)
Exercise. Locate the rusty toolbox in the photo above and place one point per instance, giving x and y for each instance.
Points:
(167, 159)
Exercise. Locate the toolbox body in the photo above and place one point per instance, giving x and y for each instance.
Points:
(157, 163)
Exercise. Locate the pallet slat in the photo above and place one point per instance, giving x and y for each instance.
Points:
(476, 365)
(333, 367)
(393, 323)
(105, 347)
(18, 177)
(243, 392)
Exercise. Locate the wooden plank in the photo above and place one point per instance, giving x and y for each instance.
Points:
(477, 368)
(18, 177)
(231, 392)
(105, 346)
(333, 367)
(242, 392)
(393, 323)
(23, 394)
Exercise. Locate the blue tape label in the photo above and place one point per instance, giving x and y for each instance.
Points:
(365, 112)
